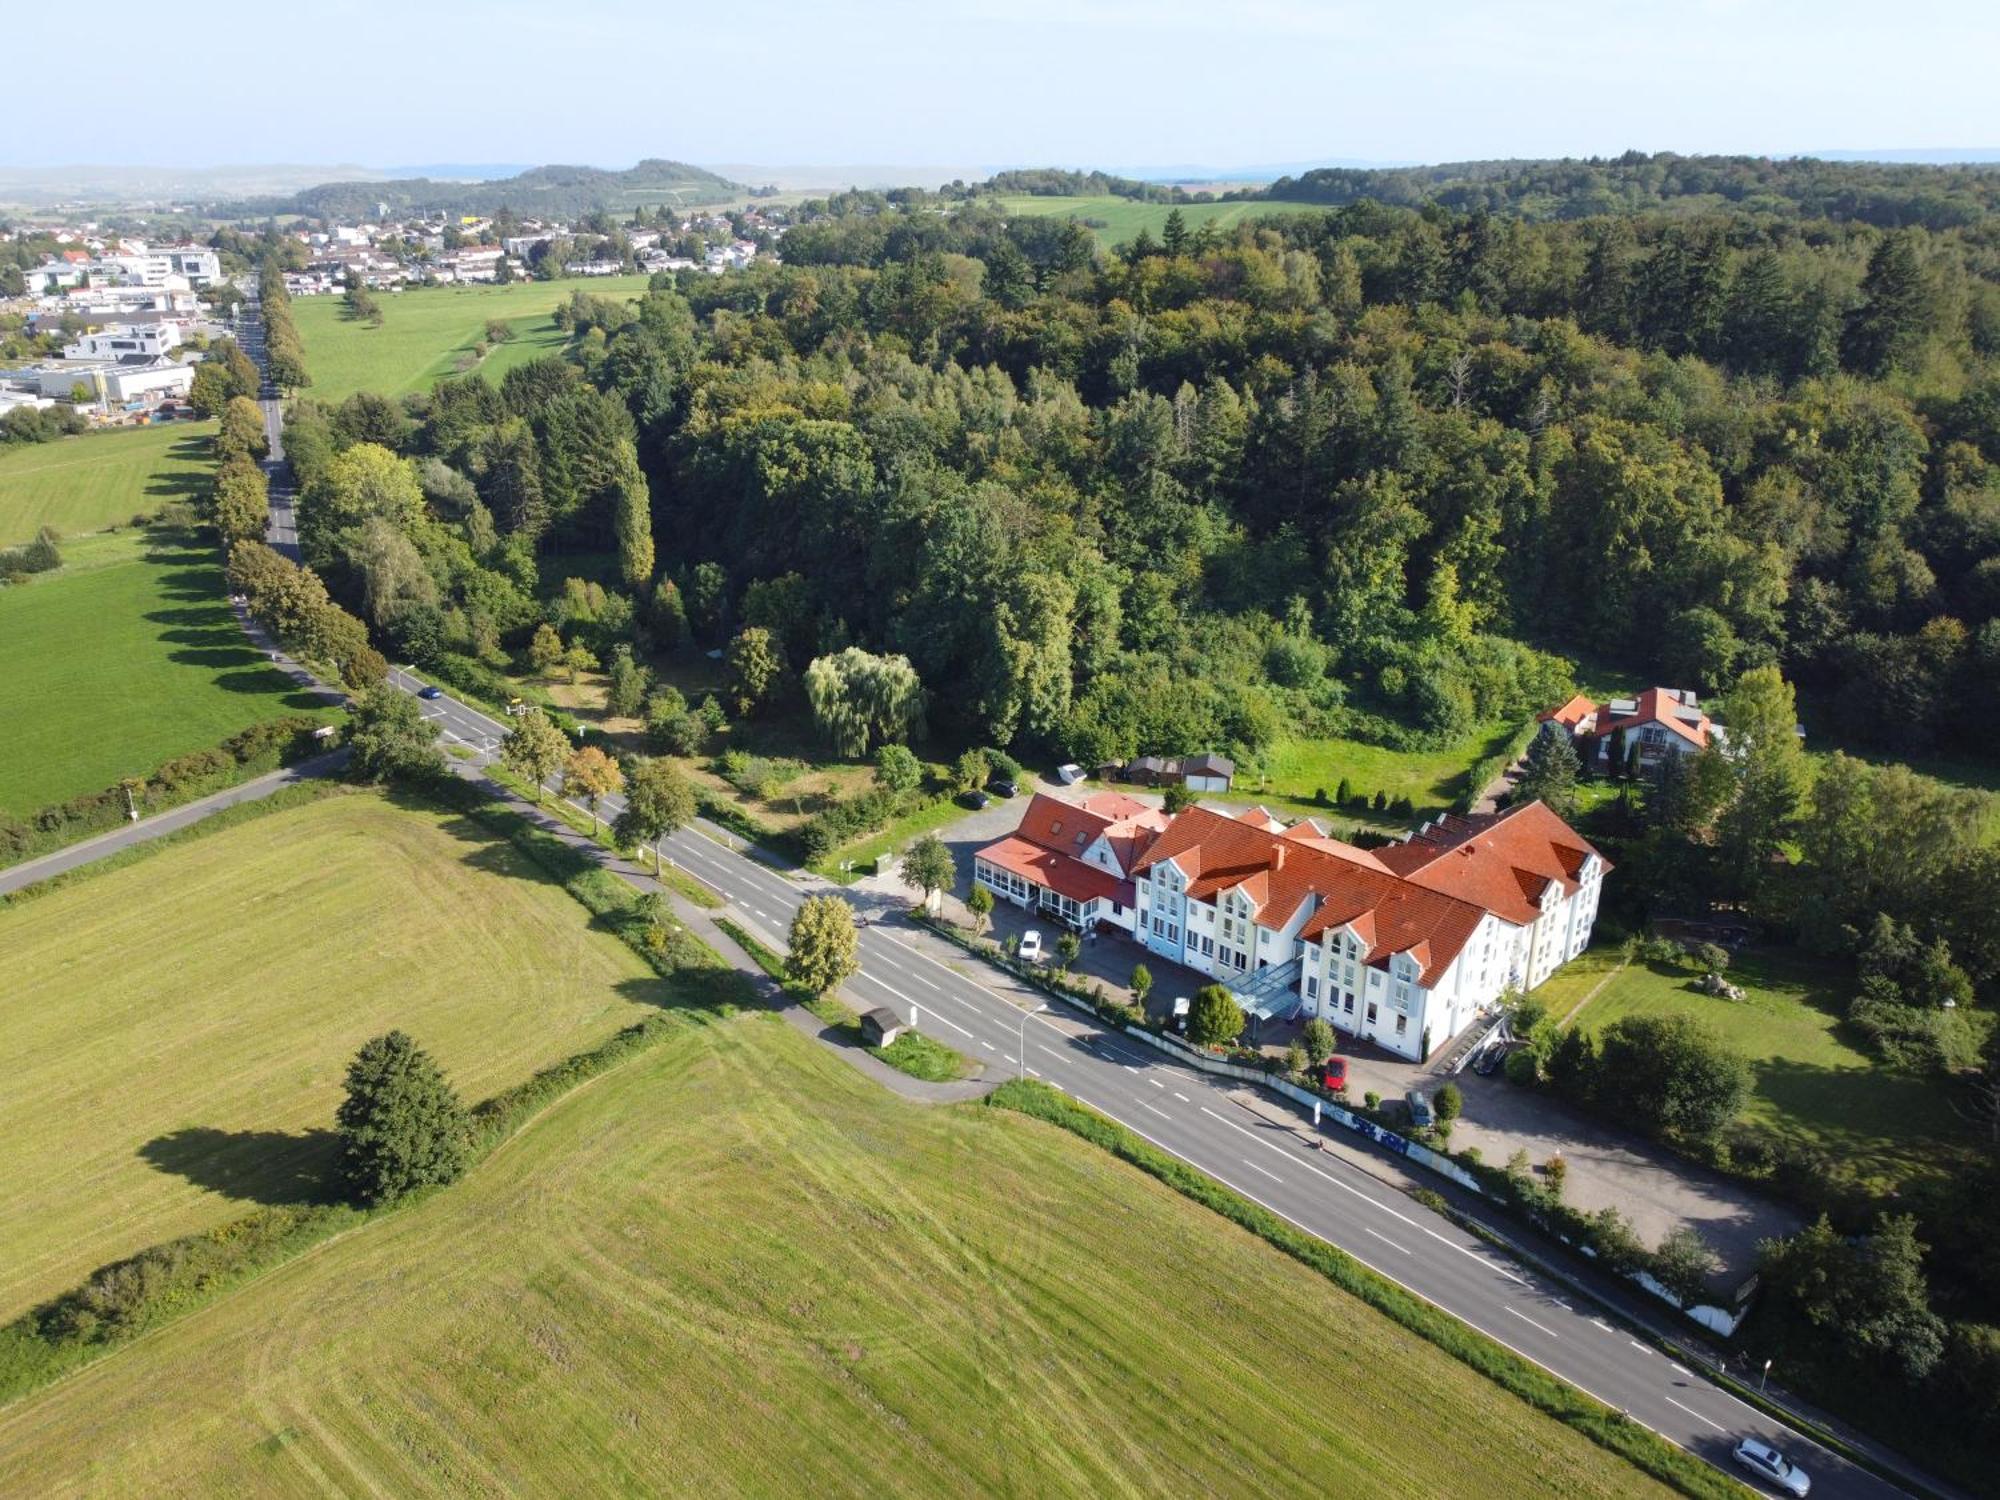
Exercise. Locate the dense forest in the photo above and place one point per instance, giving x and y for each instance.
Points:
(552, 192)
(1382, 473)
(1934, 197)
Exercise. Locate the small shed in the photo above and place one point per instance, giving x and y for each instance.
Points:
(881, 1026)
(1148, 770)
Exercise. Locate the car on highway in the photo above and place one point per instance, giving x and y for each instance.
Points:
(430, 690)
(1771, 1466)
(1421, 1113)
(1333, 1074)
(1030, 951)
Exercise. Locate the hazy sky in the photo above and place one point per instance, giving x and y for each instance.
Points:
(976, 82)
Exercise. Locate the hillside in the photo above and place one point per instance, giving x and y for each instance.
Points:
(1880, 193)
(557, 191)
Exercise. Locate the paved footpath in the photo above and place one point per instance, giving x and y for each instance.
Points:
(29, 872)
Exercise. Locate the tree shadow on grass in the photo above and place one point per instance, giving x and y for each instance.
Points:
(272, 1167)
(210, 617)
(184, 485)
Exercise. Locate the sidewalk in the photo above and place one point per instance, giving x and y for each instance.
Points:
(705, 924)
(103, 845)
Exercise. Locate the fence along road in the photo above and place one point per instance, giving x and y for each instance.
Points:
(1196, 1118)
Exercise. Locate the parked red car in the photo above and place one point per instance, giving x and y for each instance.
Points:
(1334, 1075)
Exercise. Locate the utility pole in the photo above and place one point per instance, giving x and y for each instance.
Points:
(1024, 1035)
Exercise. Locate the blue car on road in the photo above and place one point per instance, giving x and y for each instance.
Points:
(432, 691)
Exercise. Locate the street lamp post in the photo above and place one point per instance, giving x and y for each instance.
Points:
(1764, 1377)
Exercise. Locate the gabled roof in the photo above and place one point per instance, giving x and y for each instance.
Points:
(1504, 862)
(1677, 710)
(1347, 887)
(1062, 873)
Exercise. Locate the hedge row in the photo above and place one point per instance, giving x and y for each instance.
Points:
(260, 748)
(1607, 1428)
(1484, 773)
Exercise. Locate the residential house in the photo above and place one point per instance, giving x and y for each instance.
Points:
(1660, 722)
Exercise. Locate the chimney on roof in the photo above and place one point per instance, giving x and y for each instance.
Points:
(1278, 855)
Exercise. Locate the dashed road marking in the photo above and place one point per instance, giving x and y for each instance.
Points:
(1532, 1323)
(1386, 1240)
(1696, 1415)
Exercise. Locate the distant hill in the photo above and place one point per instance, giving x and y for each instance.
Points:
(1874, 192)
(86, 183)
(554, 191)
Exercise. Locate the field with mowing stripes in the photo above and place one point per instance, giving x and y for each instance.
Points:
(735, 1266)
(99, 479)
(425, 331)
(124, 658)
(176, 1030)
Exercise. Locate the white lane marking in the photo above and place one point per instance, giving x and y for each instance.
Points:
(1678, 1370)
(1486, 1261)
(1378, 1270)
(1156, 1083)
(1160, 1112)
(1562, 1304)
(1386, 1240)
(1182, 1097)
(986, 1044)
(1639, 1346)
(1605, 1326)
(1034, 1072)
(1344, 1187)
(1533, 1324)
(1696, 1415)
(1255, 1168)
(933, 1010)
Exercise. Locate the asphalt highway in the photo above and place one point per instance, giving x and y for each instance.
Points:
(1200, 1120)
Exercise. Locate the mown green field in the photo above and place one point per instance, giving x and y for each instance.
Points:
(124, 658)
(1879, 1127)
(176, 1030)
(1115, 220)
(425, 331)
(99, 479)
(735, 1266)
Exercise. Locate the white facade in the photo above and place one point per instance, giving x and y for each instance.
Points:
(122, 339)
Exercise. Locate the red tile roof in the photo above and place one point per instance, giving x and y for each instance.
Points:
(1279, 873)
(1656, 705)
(1503, 862)
(1058, 872)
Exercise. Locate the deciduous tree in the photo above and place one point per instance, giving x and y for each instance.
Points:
(824, 946)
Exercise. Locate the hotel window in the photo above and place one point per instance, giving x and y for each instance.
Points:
(1402, 1024)
(1312, 987)
(1208, 947)
(1371, 1012)
(1347, 1004)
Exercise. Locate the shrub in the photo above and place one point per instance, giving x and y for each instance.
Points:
(1449, 1103)
(1318, 1039)
(1214, 1017)
(1555, 1172)
(1522, 1068)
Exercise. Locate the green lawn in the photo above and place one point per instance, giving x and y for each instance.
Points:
(126, 657)
(1297, 770)
(100, 479)
(178, 1028)
(1880, 1127)
(1115, 220)
(425, 331)
(735, 1266)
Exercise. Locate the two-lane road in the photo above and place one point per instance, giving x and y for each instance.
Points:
(1200, 1120)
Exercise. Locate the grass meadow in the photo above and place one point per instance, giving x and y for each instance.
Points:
(1880, 1127)
(1116, 220)
(125, 657)
(99, 479)
(177, 1029)
(736, 1266)
(427, 330)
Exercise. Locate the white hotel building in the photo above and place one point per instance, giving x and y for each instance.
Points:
(1402, 946)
